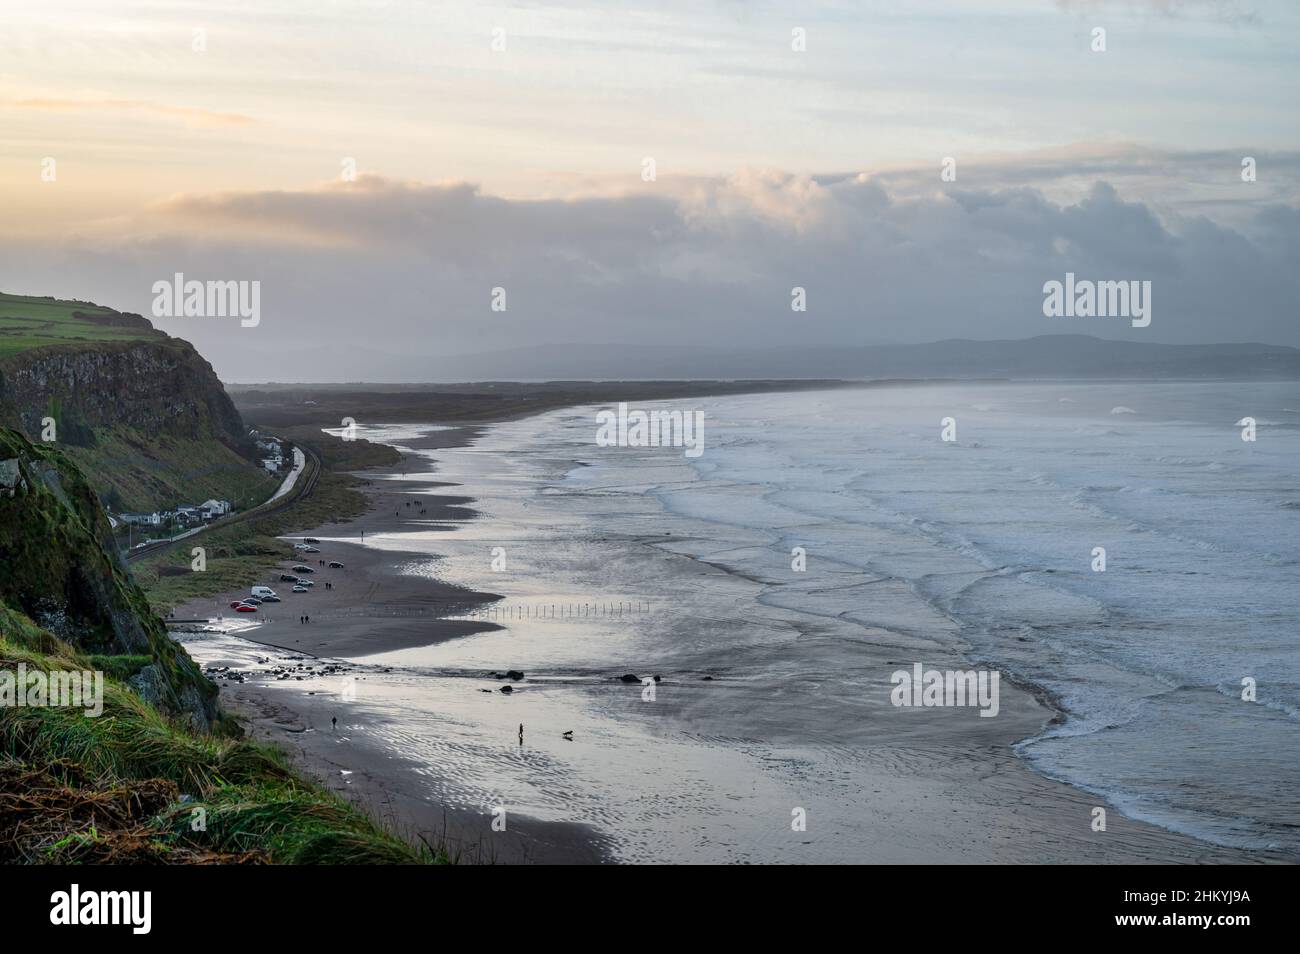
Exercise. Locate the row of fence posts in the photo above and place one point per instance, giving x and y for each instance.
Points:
(538, 611)
(494, 613)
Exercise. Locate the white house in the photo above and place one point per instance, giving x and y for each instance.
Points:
(214, 508)
(141, 519)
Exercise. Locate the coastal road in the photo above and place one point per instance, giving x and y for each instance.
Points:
(296, 486)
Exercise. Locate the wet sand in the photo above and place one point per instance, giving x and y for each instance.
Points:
(942, 791)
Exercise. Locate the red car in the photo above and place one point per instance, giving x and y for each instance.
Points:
(245, 608)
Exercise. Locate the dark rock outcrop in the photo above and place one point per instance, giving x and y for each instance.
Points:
(161, 387)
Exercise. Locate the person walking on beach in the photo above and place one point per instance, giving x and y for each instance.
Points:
(334, 723)
(521, 733)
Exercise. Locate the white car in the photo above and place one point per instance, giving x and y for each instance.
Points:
(299, 588)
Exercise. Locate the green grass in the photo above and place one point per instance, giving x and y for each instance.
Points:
(137, 471)
(30, 322)
(121, 667)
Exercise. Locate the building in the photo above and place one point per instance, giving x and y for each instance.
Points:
(211, 509)
(141, 519)
(188, 514)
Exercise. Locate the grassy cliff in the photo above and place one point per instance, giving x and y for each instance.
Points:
(29, 321)
(133, 786)
(62, 571)
(141, 412)
(159, 776)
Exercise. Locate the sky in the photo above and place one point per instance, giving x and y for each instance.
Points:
(507, 146)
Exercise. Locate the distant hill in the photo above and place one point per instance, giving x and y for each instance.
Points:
(1045, 356)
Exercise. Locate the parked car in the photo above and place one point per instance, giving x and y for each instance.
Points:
(270, 599)
(307, 583)
(310, 540)
(299, 588)
(335, 565)
(301, 546)
(288, 578)
(255, 601)
(303, 569)
(235, 604)
(245, 608)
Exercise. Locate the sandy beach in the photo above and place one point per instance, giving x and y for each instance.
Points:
(372, 608)
(942, 790)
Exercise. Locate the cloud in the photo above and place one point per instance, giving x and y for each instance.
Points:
(409, 267)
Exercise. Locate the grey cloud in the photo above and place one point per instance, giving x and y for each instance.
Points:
(408, 268)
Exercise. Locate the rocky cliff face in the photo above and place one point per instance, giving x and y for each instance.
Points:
(62, 570)
(162, 387)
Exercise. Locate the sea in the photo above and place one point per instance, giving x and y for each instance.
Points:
(823, 540)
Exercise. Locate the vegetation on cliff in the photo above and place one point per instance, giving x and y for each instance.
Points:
(161, 775)
(132, 786)
(63, 572)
